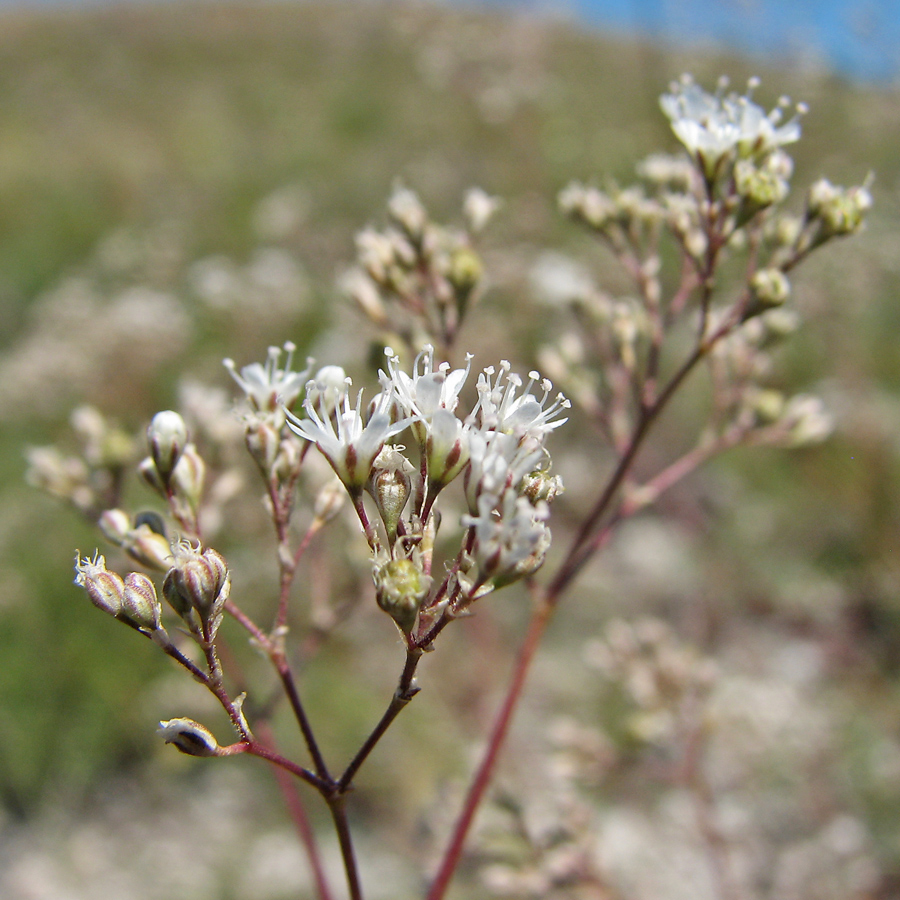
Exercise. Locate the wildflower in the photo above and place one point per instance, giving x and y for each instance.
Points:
(713, 126)
(478, 208)
(266, 385)
(345, 438)
(502, 408)
(511, 537)
(497, 461)
(431, 395)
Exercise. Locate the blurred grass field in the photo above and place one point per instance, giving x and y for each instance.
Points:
(142, 147)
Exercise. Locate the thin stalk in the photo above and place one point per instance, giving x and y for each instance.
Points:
(406, 690)
(342, 827)
(587, 542)
(539, 620)
(305, 833)
(290, 690)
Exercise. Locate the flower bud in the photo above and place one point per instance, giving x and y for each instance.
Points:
(189, 737)
(188, 476)
(263, 441)
(769, 288)
(149, 474)
(197, 581)
(105, 589)
(478, 208)
(330, 499)
(167, 438)
(465, 270)
(140, 605)
(149, 548)
(405, 208)
(390, 485)
(115, 525)
(401, 587)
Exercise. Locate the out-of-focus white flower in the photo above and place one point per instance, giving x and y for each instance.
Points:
(266, 385)
(478, 207)
(712, 126)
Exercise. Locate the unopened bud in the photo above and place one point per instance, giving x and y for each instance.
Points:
(197, 580)
(767, 406)
(167, 438)
(263, 441)
(465, 270)
(390, 488)
(401, 587)
(115, 525)
(330, 499)
(541, 486)
(148, 472)
(769, 288)
(105, 589)
(149, 548)
(405, 208)
(140, 604)
(188, 476)
(478, 208)
(189, 737)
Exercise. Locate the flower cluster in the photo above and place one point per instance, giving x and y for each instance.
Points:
(497, 450)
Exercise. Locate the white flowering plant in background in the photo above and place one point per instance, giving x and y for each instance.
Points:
(448, 473)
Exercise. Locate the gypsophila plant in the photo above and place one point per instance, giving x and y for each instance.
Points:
(435, 436)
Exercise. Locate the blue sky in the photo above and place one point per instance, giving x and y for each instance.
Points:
(859, 38)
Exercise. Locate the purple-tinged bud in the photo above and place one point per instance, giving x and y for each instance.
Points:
(167, 437)
(263, 442)
(188, 476)
(390, 486)
(140, 605)
(115, 525)
(197, 580)
(105, 589)
(149, 548)
(189, 737)
(148, 473)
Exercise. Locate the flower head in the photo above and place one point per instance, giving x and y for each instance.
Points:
(713, 126)
(347, 438)
(511, 537)
(266, 385)
(502, 408)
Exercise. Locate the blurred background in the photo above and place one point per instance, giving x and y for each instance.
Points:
(182, 182)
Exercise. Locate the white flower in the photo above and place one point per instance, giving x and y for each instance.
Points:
(511, 537)
(712, 126)
(502, 408)
(478, 207)
(267, 387)
(427, 389)
(430, 396)
(347, 439)
(498, 461)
